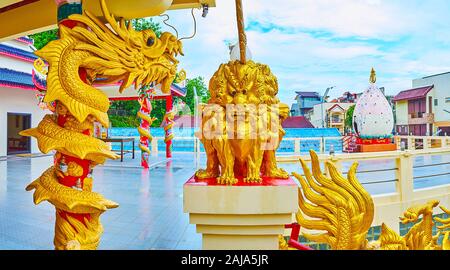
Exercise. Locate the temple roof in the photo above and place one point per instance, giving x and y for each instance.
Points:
(112, 90)
(336, 106)
(16, 79)
(178, 91)
(25, 40)
(17, 53)
(308, 94)
(415, 93)
(297, 122)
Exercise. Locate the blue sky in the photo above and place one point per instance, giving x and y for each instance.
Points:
(313, 44)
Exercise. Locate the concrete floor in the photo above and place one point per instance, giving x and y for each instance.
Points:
(150, 215)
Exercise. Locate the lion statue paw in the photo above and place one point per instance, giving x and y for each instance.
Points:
(278, 173)
(205, 174)
(227, 180)
(256, 179)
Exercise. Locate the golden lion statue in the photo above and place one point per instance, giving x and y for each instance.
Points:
(239, 143)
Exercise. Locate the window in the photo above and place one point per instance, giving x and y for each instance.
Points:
(311, 99)
(18, 144)
(436, 103)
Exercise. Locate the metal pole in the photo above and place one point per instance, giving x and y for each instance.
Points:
(196, 122)
(323, 100)
(241, 31)
(321, 110)
(195, 107)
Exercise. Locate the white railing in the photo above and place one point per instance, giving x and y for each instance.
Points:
(411, 143)
(393, 205)
(322, 142)
(422, 142)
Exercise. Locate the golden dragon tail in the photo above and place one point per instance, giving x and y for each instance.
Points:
(339, 206)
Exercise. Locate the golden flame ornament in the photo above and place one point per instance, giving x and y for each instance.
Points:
(343, 211)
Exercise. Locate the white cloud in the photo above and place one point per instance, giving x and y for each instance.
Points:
(402, 39)
(352, 17)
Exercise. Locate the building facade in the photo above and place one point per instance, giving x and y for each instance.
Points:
(329, 115)
(305, 101)
(19, 108)
(425, 109)
(347, 97)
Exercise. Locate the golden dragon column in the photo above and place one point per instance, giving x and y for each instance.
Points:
(88, 51)
(144, 128)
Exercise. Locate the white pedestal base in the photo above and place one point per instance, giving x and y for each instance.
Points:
(243, 217)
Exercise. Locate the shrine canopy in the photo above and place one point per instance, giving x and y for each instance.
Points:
(41, 14)
(112, 91)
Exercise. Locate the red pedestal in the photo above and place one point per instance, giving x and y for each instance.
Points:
(266, 181)
(370, 148)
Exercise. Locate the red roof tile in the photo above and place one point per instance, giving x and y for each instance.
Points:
(413, 93)
(297, 122)
(335, 106)
(307, 95)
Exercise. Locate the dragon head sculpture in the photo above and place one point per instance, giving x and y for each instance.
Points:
(120, 53)
(338, 206)
(95, 52)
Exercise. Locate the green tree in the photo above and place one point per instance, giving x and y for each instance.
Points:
(159, 106)
(147, 23)
(123, 113)
(132, 107)
(349, 117)
(43, 38)
(128, 109)
(202, 92)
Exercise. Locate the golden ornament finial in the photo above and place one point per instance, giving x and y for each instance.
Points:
(373, 76)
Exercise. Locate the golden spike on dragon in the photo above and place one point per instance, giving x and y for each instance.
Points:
(87, 53)
(343, 211)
